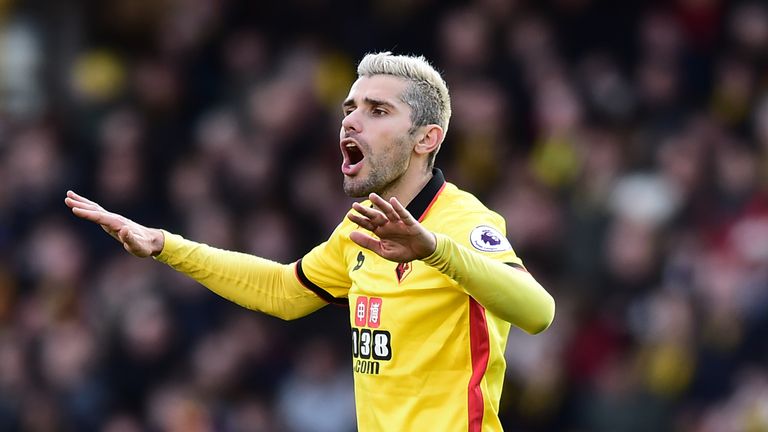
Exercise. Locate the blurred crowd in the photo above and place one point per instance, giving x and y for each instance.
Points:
(625, 143)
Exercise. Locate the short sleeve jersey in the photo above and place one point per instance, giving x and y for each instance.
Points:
(426, 356)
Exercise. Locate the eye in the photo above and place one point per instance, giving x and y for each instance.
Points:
(347, 111)
(378, 112)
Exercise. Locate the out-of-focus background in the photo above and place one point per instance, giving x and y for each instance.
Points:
(625, 142)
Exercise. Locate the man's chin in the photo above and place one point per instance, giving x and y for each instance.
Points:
(356, 189)
(356, 193)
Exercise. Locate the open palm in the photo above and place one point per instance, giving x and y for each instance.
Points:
(401, 237)
(135, 238)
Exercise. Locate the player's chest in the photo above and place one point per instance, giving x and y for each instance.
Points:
(394, 307)
(373, 275)
(397, 296)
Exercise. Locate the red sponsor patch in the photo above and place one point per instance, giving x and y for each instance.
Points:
(361, 311)
(374, 312)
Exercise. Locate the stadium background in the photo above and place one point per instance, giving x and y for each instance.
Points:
(626, 143)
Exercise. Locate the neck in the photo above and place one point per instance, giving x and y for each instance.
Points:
(408, 185)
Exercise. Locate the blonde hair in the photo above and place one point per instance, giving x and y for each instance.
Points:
(426, 94)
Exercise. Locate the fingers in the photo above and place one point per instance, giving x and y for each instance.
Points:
(368, 218)
(402, 212)
(137, 238)
(72, 203)
(385, 207)
(100, 217)
(361, 221)
(382, 213)
(392, 209)
(90, 211)
(78, 198)
(89, 215)
(124, 235)
(369, 212)
(366, 241)
(134, 242)
(111, 232)
(133, 237)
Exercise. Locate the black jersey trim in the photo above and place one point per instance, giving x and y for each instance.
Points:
(323, 294)
(517, 266)
(421, 203)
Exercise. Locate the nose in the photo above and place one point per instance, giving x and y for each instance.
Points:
(351, 122)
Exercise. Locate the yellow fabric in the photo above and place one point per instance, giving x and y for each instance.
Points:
(511, 294)
(250, 281)
(412, 347)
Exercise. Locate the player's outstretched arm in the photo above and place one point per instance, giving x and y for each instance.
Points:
(250, 281)
(135, 238)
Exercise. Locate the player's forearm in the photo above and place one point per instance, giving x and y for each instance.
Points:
(511, 294)
(250, 281)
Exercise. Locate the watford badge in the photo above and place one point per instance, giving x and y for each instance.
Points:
(403, 270)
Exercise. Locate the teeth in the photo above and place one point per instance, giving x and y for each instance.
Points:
(350, 145)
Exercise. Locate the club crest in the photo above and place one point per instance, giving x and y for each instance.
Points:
(402, 270)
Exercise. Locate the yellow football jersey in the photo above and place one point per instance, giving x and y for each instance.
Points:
(426, 355)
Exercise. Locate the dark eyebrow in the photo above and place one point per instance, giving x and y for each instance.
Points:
(369, 101)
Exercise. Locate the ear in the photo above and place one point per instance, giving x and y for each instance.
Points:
(430, 140)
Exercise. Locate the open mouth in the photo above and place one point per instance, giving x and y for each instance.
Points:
(353, 156)
(353, 153)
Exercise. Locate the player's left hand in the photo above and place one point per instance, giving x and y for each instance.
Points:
(401, 238)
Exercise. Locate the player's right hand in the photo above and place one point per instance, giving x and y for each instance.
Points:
(135, 238)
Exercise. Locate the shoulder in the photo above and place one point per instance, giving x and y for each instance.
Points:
(463, 217)
(459, 207)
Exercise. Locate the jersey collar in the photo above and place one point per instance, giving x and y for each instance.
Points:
(420, 205)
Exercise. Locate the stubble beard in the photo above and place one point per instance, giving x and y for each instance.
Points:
(384, 171)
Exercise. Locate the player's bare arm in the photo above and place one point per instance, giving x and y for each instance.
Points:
(135, 238)
(401, 237)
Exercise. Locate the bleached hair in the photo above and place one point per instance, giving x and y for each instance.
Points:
(426, 94)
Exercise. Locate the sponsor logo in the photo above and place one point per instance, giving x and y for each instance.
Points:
(374, 312)
(360, 261)
(361, 311)
(370, 346)
(488, 239)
